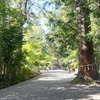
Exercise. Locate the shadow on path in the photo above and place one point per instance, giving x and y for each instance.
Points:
(54, 85)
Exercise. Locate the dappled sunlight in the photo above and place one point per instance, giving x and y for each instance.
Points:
(55, 75)
(47, 79)
(50, 86)
(58, 88)
(94, 97)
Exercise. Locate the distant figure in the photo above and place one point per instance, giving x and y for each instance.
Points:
(47, 68)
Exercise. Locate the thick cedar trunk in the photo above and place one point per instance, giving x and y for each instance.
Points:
(87, 66)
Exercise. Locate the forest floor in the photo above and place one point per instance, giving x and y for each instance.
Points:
(51, 85)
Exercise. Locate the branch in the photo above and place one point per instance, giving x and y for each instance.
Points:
(73, 28)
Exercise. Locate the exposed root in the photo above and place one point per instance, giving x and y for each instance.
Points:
(85, 80)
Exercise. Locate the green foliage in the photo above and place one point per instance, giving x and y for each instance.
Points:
(11, 40)
(23, 48)
(24, 74)
(4, 84)
(62, 35)
(76, 80)
(64, 28)
(12, 56)
(75, 64)
(35, 47)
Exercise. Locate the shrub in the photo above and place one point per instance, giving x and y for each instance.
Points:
(24, 74)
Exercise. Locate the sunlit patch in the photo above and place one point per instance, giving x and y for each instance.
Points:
(58, 88)
(94, 97)
(47, 79)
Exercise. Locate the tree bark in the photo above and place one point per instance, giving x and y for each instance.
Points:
(87, 65)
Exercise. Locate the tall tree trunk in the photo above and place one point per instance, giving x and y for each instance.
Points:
(87, 66)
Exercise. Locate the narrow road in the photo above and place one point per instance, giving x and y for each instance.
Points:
(51, 85)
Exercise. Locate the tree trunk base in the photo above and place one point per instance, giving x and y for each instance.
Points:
(86, 80)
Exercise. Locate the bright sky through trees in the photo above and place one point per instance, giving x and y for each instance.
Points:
(41, 8)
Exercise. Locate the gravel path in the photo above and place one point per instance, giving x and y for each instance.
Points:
(51, 85)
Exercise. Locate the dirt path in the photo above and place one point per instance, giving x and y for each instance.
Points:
(51, 85)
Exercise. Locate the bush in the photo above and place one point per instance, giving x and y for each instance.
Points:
(24, 74)
(75, 64)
